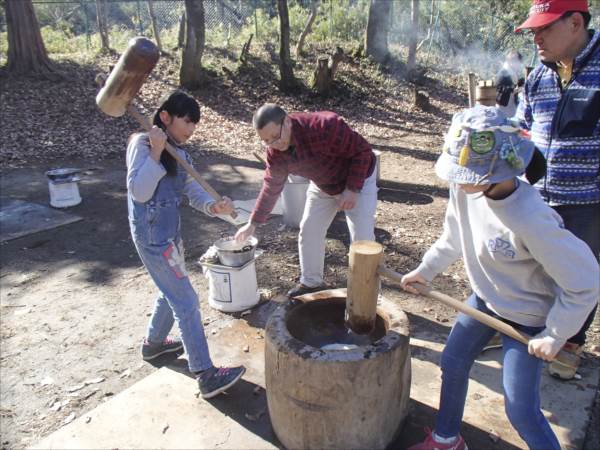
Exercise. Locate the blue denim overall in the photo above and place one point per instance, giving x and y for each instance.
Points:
(155, 229)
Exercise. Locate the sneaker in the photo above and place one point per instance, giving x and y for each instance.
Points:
(301, 289)
(431, 444)
(494, 342)
(151, 350)
(213, 381)
(566, 367)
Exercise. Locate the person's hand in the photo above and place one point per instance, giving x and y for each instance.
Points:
(412, 277)
(225, 206)
(245, 232)
(544, 346)
(347, 200)
(158, 139)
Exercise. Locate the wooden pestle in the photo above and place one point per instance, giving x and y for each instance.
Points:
(363, 286)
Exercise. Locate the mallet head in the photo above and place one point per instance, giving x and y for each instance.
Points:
(126, 79)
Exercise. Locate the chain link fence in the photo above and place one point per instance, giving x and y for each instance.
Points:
(134, 17)
(463, 34)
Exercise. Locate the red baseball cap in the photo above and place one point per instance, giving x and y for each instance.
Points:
(544, 12)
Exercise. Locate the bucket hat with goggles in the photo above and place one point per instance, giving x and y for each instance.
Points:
(482, 147)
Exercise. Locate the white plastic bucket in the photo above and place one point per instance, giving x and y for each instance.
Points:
(293, 199)
(63, 195)
(232, 289)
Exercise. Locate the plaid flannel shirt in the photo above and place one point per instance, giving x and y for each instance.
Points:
(325, 150)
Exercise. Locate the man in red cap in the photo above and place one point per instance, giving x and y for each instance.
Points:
(561, 108)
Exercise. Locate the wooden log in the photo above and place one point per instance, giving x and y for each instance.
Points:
(325, 71)
(363, 285)
(485, 93)
(421, 99)
(321, 80)
(336, 399)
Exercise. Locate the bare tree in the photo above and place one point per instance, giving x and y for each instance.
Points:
(154, 25)
(376, 39)
(414, 35)
(102, 26)
(26, 50)
(190, 74)
(314, 7)
(288, 81)
(181, 33)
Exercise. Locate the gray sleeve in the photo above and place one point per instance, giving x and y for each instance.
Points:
(572, 266)
(143, 173)
(447, 249)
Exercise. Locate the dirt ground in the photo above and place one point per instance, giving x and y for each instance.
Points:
(75, 300)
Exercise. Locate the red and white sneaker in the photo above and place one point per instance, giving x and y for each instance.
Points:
(431, 444)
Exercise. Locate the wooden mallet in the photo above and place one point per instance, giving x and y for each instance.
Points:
(366, 268)
(122, 85)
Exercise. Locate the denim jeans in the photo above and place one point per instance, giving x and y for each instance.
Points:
(155, 229)
(521, 375)
(177, 300)
(319, 212)
(584, 222)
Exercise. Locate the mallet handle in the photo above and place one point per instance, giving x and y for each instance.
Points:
(146, 125)
(259, 158)
(490, 321)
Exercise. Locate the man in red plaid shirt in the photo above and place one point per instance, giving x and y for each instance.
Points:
(340, 164)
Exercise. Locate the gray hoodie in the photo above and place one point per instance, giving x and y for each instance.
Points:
(519, 259)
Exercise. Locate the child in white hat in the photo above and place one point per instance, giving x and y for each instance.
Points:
(523, 266)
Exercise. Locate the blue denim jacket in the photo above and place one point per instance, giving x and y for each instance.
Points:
(154, 198)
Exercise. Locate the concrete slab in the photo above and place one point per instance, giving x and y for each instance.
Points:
(565, 404)
(160, 411)
(19, 218)
(139, 416)
(163, 410)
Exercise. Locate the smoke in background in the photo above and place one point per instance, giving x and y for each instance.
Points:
(469, 35)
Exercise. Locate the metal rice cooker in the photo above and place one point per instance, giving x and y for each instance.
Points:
(234, 254)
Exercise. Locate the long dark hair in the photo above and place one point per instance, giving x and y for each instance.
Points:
(177, 104)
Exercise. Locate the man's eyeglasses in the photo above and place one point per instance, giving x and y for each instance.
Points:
(538, 30)
(270, 143)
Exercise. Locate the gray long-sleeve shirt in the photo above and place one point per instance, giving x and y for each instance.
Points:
(519, 259)
(144, 174)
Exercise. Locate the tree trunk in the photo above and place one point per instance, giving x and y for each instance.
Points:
(181, 34)
(429, 27)
(414, 35)
(288, 81)
(376, 39)
(325, 71)
(314, 7)
(246, 51)
(190, 75)
(26, 50)
(102, 27)
(154, 25)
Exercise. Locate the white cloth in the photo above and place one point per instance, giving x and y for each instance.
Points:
(319, 212)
